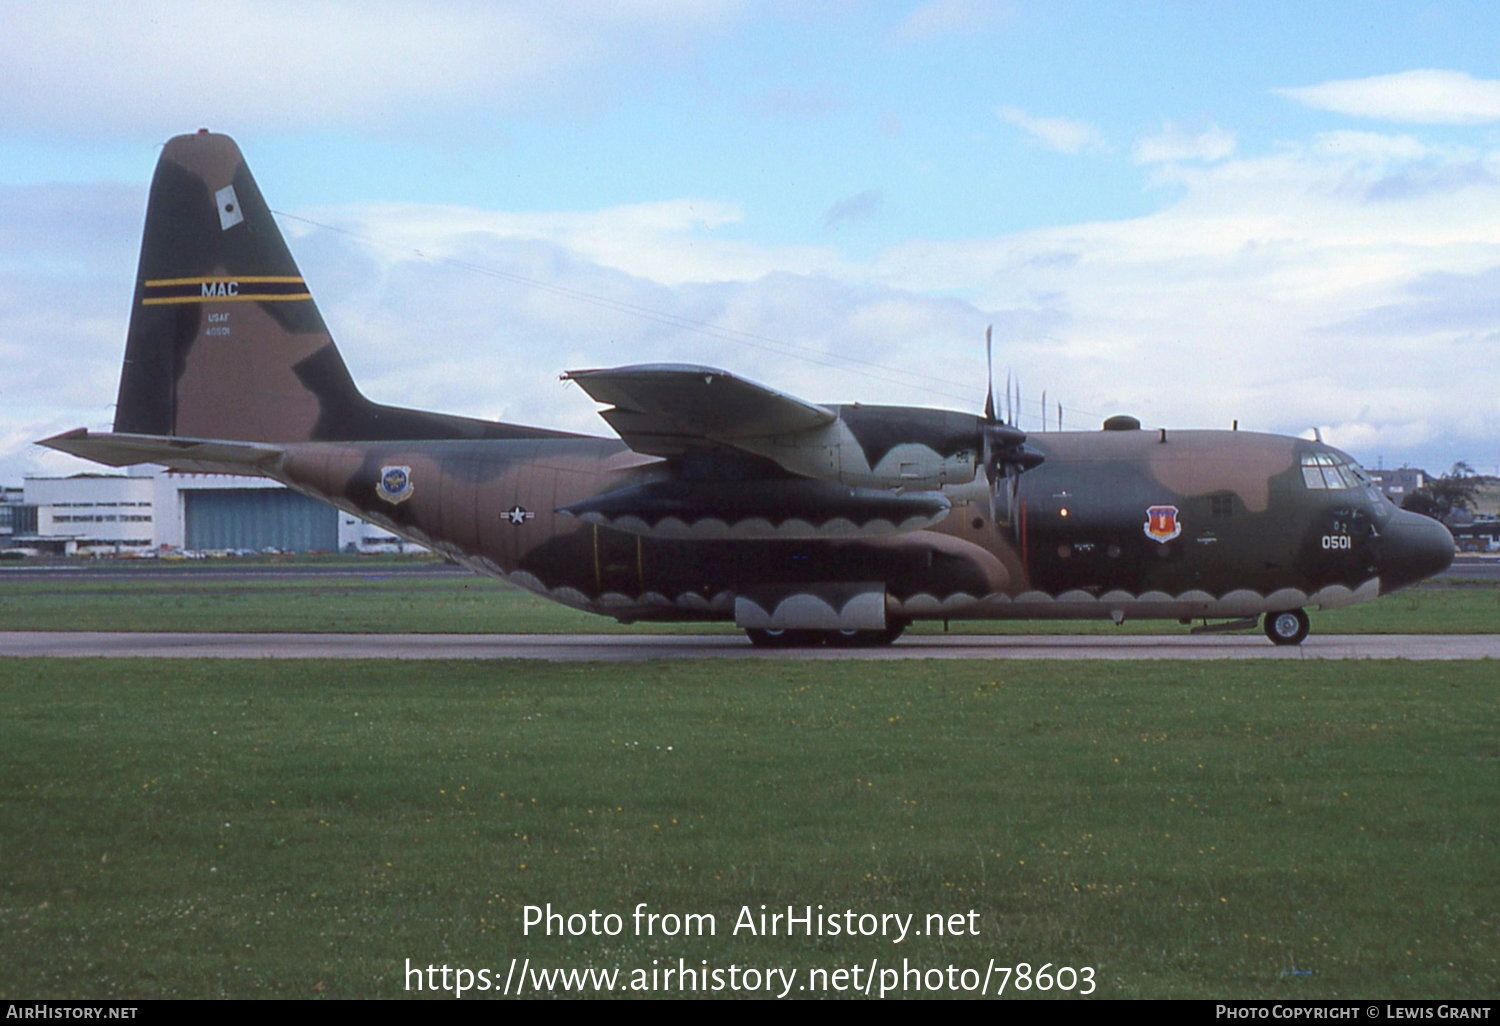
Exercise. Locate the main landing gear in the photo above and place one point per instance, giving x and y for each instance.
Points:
(778, 637)
(1288, 627)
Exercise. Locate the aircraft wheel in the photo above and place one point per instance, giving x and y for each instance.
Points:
(866, 639)
(781, 637)
(1288, 627)
(854, 639)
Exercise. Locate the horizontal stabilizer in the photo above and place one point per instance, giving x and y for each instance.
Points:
(745, 510)
(191, 455)
(664, 409)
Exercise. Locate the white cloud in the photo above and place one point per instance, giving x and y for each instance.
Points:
(1174, 143)
(671, 242)
(1344, 145)
(121, 69)
(944, 17)
(1322, 284)
(1062, 134)
(1430, 97)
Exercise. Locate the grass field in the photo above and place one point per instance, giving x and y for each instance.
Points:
(381, 601)
(301, 829)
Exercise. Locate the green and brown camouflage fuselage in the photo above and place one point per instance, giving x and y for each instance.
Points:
(723, 499)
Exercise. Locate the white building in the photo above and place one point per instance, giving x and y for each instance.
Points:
(1399, 483)
(149, 509)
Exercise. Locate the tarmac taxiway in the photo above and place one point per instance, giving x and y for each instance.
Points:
(636, 647)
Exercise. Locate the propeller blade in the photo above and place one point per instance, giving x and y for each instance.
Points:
(989, 374)
(1003, 444)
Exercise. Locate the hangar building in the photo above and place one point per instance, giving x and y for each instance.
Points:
(150, 509)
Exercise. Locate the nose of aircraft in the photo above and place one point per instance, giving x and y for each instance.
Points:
(1415, 548)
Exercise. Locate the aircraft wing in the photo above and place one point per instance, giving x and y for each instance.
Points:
(664, 409)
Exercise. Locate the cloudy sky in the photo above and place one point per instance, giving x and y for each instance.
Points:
(1282, 213)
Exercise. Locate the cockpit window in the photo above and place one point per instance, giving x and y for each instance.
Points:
(1325, 471)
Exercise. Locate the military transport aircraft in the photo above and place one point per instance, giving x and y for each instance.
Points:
(722, 499)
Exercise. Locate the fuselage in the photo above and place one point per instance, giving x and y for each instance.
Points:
(1117, 524)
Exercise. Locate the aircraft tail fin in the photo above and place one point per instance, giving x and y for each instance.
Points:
(225, 341)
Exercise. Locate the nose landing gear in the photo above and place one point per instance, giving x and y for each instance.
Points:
(1288, 627)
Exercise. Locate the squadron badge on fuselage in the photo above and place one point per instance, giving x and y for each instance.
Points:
(394, 485)
(1161, 523)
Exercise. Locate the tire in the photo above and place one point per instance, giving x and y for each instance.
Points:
(780, 637)
(1288, 627)
(866, 639)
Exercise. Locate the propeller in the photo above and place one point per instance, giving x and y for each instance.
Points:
(989, 374)
(1004, 445)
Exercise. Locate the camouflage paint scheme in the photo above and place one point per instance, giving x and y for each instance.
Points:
(723, 499)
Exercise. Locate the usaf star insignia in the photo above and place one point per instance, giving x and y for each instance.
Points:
(517, 515)
(394, 485)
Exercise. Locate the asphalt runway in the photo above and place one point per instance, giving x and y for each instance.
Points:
(1474, 567)
(637, 647)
